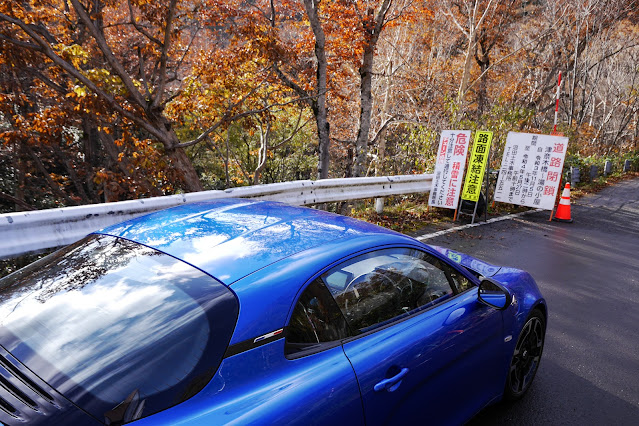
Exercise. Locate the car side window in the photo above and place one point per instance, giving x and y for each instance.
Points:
(461, 282)
(316, 319)
(381, 286)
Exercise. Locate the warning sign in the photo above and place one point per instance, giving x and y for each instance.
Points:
(449, 168)
(477, 166)
(531, 170)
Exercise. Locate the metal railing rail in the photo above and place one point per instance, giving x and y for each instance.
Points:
(33, 231)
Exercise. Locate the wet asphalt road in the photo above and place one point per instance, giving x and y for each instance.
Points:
(588, 271)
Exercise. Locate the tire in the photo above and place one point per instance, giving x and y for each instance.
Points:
(526, 356)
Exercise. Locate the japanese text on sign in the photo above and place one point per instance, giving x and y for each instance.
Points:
(449, 169)
(477, 166)
(531, 170)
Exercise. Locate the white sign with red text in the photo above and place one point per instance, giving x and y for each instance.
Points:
(531, 170)
(449, 169)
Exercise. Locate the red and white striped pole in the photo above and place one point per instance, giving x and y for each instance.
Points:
(554, 129)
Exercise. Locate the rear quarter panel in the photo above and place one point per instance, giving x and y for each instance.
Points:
(261, 386)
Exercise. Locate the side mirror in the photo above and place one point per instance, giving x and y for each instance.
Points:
(493, 294)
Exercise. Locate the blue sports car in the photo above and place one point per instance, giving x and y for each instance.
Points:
(253, 312)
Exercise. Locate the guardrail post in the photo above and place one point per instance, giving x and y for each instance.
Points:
(627, 165)
(379, 205)
(607, 168)
(575, 177)
(594, 171)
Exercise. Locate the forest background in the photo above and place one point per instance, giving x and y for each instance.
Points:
(107, 100)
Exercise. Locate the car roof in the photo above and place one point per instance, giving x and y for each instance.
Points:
(232, 238)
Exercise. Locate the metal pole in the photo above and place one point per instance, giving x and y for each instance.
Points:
(487, 185)
(554, 129)
(475, 209)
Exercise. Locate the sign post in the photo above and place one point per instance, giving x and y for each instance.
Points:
(476, 169)
(449, 169)
(531, 170)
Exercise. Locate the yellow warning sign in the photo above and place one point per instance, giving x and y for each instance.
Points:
(477, 166)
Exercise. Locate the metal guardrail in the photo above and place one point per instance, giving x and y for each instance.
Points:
(26, 232)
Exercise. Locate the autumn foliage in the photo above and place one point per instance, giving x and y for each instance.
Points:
(111, 100)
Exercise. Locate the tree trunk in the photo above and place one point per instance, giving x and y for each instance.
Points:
(179, 160)
(18, 166)
(573, 81)
(227, 155)
(318, 105)
(122, 164)
(91, 150)
(482, 58)
(372, 29)
(324, 140)
(77, 183)
(636, 138)
(366, 106)
(463, 84)
(381, 138)
(90, 143)
(55, 188)
(265, 134)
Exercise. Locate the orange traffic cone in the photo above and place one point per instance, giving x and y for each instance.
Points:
(563, 209)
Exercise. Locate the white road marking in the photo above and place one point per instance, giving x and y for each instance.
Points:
(472, 225)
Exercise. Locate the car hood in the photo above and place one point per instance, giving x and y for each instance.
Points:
(479, 266)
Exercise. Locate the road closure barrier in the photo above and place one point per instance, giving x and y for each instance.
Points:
(563, 209)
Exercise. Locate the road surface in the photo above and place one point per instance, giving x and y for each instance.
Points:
(588, 271)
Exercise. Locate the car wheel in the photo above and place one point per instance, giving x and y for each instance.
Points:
(526, 357)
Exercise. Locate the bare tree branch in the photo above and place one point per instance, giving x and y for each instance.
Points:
(75, 73)
(159, 91)
(19, 43)
(17, 201)
(115, 64)
(296, 130)
(228, 118)
(140, 28)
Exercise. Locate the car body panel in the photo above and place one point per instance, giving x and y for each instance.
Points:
(470, 262)
(526, 297)
(106, 319)
(26, 399)
(262, 312)
(229, 239)
(455, 362)
(261, 386)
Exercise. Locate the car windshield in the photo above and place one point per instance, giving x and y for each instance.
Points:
(106, 320)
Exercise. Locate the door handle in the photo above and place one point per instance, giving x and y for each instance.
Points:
(390, 385)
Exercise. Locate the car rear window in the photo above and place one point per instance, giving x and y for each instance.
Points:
(118, 328)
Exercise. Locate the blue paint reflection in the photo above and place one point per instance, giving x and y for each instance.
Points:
(108, 317)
